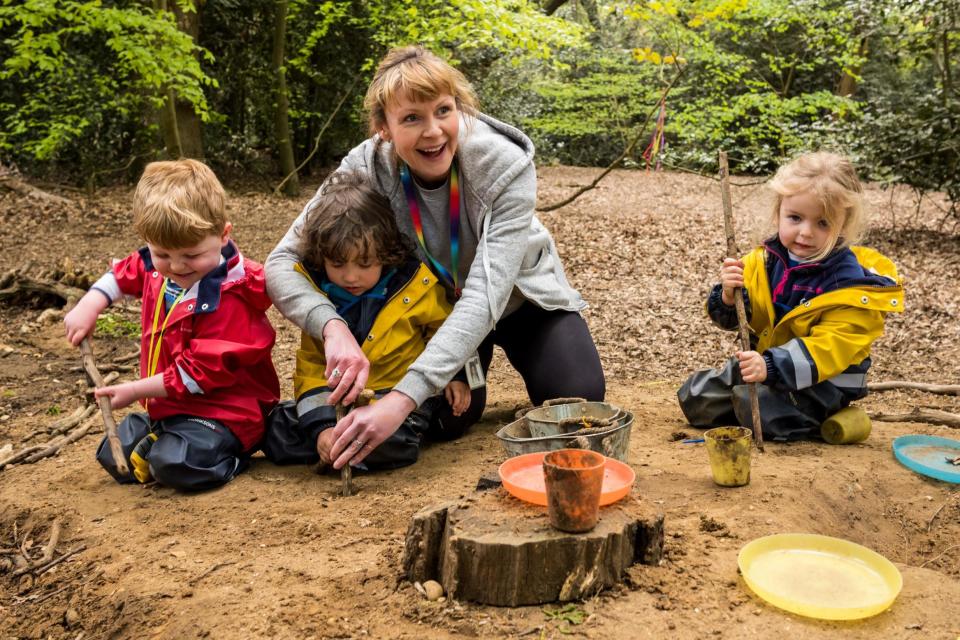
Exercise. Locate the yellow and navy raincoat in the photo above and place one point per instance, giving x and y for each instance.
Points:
(415, 306)
(815, 322)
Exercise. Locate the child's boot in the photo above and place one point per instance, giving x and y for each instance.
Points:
(846, 426)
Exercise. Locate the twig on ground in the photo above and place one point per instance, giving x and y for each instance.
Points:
(206, 573)
(943, 553)
(929, 416)
(945, 389)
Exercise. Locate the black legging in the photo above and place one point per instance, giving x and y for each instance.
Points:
(551, 350)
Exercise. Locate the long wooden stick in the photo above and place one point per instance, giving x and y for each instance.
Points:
(109, 425)
(346, 472)
(929, 416)
(732, 252)
(945, 389)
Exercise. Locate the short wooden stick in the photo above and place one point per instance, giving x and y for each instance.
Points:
(109, 425)
(732, 252)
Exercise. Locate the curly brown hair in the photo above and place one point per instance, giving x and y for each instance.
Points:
(351, 219)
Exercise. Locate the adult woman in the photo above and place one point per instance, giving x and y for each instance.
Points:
(463, 187)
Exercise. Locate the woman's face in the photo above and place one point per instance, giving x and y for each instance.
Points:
(424, 134)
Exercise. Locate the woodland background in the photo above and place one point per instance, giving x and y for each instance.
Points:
(92, 90)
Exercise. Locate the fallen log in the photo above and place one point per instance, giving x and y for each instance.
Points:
(18, 186)
(945, 389)
(929, 416)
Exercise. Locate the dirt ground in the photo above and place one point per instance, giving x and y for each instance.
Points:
(276, 554)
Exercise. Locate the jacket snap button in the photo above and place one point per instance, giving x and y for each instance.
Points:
(426, 281)
(189, 307)
(204, 306)
(893, 302)
(864, 300)
(406, 301)
(370, 338)
(806, 303)
(156, 274)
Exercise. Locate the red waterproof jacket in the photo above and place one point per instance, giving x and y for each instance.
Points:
(215, 350)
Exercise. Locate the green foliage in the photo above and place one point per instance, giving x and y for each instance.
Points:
(54, 410)
(113, 326)
(81, 76)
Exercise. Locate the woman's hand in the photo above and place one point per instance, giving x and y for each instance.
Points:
(753, 367)
(347, 367)
(731, 278)
(363, 429)
(458, 395)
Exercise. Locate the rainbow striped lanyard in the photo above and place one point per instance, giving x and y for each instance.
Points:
(411, 193)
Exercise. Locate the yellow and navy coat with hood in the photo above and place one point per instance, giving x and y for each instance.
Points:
(836, 309)
(415, 307)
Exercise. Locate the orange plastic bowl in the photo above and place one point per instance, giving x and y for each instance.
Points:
(522, 477)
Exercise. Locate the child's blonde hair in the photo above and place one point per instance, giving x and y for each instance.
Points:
(418, 74)
(833, 180)
(178, 203)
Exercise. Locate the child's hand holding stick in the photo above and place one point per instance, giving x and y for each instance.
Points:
(109, 425)
(732, 252)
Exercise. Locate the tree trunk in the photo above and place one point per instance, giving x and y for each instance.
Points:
(284, 145)
(180, 124)
(848, 83)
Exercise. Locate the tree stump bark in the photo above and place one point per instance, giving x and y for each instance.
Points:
(494, 549)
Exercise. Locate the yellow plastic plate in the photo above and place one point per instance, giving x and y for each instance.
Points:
(819, 576)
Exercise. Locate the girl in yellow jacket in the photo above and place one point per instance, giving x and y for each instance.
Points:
(815, 304)
(392, 303)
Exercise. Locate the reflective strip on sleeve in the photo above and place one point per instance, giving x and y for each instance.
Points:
(308, 403)
(849, 380)
(802, 371)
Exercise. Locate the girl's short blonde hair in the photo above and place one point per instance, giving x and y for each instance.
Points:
(415, 73)
(178, 203)
(833, 180)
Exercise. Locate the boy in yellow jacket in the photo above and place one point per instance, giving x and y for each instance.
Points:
(814, 304)
(392, 303)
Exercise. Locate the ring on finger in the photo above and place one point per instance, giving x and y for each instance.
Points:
(359, 444)
(335, 373)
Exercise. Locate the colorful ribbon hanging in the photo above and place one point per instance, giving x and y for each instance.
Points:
(454, 207)
(657, 141)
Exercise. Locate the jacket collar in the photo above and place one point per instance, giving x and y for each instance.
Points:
(207, 291)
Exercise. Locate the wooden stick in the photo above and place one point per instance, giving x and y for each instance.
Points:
(945, 389)
(53, 447)
(48, 550)
(346, 472)
(732, 252)
(930, 416)
(109, 426)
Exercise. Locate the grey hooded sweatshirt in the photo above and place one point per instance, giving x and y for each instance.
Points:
(514, 257)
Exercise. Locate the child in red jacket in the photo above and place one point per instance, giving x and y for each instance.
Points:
(207, 377)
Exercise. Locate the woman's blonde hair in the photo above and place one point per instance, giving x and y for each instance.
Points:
(178, 203)
(418, 74)
(833, 180)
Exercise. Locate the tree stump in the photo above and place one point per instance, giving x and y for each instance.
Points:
(494, 549)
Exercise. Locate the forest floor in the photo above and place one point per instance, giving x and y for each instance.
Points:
(276, 554)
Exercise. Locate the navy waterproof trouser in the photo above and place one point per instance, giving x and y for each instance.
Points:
(189, 454)
(719, 397)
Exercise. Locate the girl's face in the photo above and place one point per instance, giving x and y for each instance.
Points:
(801, 225)
(424, 134)
(357, 275)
